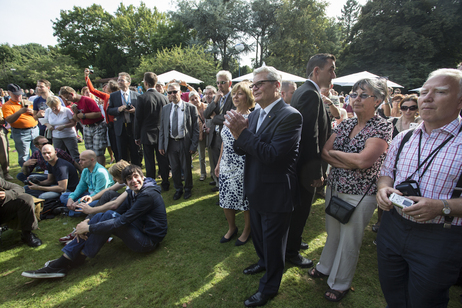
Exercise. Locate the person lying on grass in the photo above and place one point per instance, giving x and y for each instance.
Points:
(141, 222)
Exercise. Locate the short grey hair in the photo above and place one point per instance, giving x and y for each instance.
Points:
(174, 85)
(192, 93)
(286, 83)
(214, 90)
(271, 73)
(225, 74)
(448, 72)
(377, 85)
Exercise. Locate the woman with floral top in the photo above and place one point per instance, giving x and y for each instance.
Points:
(355, 150)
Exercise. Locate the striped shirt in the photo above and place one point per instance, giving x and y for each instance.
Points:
(441, 177)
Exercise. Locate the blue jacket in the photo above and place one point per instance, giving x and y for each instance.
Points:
(145, 210)
(93, 182)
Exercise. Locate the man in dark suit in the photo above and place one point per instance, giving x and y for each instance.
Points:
(147, 125)
(122, 105)
(178, 138)
(316, 130)
(270, 140)
(216, 111)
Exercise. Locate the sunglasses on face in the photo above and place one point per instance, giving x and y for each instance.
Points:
(362, 96)
(172, 92)
(222, 82)
(411, 108)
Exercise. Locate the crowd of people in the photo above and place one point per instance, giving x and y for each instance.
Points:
(272, 147)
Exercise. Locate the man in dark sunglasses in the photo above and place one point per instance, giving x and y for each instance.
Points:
(216, 111)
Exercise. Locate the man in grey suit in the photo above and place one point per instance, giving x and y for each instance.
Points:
(178, 138)
(122, 105)
(316, 130)
(216, 111)
(147, 125)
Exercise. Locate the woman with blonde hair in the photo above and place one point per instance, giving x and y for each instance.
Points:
(230, 170)
(61, 124)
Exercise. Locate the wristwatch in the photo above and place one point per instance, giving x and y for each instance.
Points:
(446, 208)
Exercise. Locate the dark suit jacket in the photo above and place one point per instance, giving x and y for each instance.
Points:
(115, 101)
(270, 180)
(218, 119)
(191, 127)
(148, 116)
(316, 130)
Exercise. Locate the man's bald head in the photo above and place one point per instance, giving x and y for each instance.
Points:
(49, 153)
(88, 159)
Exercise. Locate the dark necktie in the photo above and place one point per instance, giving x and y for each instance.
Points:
(175, 121)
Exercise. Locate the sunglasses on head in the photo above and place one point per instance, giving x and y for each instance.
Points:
(172, 92)
(411, 108)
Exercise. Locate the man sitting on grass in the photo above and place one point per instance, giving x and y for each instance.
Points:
(141, 222)
(94, 179)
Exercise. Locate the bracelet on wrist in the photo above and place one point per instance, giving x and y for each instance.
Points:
(84, 116)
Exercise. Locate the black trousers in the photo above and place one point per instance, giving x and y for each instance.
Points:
(22, 208)
(162, 162)
(126, 146)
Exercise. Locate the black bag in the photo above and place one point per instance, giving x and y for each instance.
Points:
(48, 207)
(339, 209)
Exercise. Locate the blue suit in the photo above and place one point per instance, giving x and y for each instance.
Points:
(270, 184)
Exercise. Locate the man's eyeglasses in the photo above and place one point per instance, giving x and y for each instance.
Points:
(362, 96)
(222, 82)
(172, 92)
(411, 108)
(258, 84)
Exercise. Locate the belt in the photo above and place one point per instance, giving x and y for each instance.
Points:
(94, 124)
(177, 139)
(25, 128)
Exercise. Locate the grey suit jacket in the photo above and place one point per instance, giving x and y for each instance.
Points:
(191, 127)
(218, 119)
(148, 116)
(115, 101)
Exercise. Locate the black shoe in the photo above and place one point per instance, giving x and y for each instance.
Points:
(215, 189)
(258, 299)
(165, 187)
(300, 261)
(254, 269)
(239, 243)
(213, 183)
(304, 246)
(47, 272)
(31, 239)
(59, 210)
(187, 194)
(177, 195)
(226, 240)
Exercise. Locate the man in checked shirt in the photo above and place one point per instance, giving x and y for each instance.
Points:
(419, 248)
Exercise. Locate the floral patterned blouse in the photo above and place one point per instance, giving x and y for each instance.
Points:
(357, 181)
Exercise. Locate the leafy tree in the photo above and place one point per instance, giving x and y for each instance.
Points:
(350, 13)
(193, 61)
(263, 26)
(295, 42)
(405, 40)
(218, 24)
(81, 31)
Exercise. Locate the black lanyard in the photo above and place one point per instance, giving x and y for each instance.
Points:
(430, 157)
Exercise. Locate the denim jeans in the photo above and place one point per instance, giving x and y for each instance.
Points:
(130, 235)
(65, 196)
(24, 142)
(42, 194)
(39, 176)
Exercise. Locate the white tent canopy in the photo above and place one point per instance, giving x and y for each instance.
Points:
(169, 76)
(285, 76)
(350, 80)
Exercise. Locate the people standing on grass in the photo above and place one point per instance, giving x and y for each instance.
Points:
(230, 170)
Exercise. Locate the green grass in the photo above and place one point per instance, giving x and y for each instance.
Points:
(189, 269)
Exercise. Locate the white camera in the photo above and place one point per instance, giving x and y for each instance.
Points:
(400, 201)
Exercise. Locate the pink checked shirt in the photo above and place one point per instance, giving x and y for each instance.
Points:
(442, 175)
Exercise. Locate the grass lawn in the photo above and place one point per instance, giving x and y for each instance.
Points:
(190, 268)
